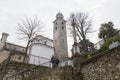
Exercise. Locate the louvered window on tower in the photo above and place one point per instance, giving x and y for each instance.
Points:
(62, 27)
(56, 28)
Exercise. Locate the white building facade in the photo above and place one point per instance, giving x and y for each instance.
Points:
(41, 51)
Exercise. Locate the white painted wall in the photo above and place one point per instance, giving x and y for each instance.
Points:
(66, 63)
(42, 54)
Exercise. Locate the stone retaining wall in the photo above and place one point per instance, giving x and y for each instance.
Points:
(104, 66)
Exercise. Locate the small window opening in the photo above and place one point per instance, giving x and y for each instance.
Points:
(56, 28)
(19, 57)
(45, 42)
(62, 27)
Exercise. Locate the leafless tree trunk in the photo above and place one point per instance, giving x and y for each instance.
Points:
(28, 29)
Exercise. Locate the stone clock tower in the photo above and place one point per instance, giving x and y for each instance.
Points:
(60, 37)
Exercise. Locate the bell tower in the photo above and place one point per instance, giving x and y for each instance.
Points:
(60, 36)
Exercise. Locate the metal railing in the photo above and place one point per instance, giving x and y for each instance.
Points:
(36, 73)
(37, 60)
(29, 74)
(65, 62)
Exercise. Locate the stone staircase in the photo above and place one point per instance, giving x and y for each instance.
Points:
(60, 73)
(45, 73)
(10, 70)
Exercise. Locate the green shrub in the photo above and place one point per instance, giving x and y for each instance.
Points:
(103, 47)
(106, 44)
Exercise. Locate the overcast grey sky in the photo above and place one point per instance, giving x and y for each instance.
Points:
(12, 11)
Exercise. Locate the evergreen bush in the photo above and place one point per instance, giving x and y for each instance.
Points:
(106, 44)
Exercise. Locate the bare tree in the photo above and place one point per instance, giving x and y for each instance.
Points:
(28, 29)
(82, 26)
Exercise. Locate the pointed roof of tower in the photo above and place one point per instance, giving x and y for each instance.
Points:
(59, 15)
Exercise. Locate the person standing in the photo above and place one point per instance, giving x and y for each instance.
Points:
(57, 62)
(53, 61)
